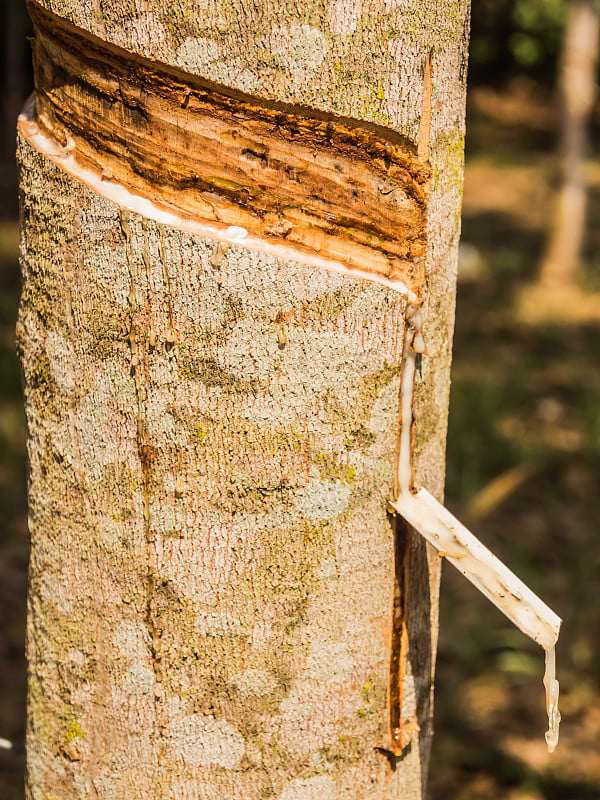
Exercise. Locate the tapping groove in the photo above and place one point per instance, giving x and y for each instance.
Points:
(298, 179)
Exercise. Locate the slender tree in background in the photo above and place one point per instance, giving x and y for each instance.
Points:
(577, 90)
(16, 86)
(219, 605)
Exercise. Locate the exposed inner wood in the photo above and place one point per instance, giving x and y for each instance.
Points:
(347, 191)
(425, 124)
(400, 736)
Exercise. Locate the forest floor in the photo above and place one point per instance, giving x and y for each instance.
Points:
(523, 470)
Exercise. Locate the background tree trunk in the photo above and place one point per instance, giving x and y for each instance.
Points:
(577, 90)
(16, 76)
(212, 436)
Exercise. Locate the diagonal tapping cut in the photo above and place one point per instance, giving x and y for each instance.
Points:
(297, 182)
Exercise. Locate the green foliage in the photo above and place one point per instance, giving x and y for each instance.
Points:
(539, 25)
(516, 36)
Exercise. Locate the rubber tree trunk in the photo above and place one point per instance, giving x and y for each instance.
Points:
(217, 594)
(577, 90)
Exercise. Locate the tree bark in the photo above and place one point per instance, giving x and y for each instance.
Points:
(577, 90)
(218, 598)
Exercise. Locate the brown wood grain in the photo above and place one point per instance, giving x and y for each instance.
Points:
(340, 189)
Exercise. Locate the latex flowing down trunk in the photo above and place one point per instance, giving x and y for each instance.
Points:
(219, 605)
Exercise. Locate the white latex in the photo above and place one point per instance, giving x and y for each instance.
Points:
(456, 543)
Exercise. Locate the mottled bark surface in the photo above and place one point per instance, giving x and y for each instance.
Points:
(212, 443)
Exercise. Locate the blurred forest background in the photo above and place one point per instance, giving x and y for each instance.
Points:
(524, 427)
